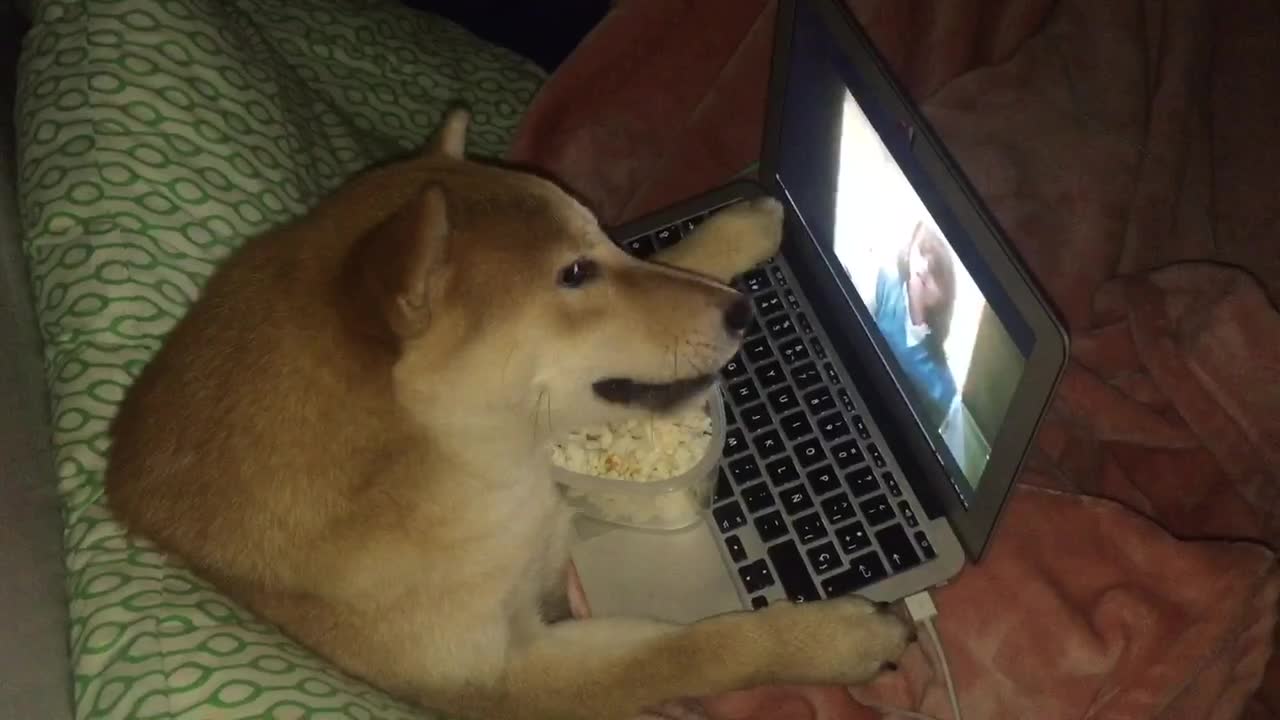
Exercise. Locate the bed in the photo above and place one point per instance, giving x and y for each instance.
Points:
(1122, 145)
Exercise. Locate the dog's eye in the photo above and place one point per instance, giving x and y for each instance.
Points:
(577, 273)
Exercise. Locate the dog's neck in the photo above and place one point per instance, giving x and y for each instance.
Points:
(500, 447)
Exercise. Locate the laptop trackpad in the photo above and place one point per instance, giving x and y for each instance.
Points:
(678, 577)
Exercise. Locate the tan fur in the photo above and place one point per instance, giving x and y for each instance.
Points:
(347, 434)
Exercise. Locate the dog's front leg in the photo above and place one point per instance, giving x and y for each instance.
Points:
(730, 242)
(612, 669)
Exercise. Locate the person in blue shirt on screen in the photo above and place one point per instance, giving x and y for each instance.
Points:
(913, 304)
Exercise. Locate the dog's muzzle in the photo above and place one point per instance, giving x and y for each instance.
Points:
(654, 396)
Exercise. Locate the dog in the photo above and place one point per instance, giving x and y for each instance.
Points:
(347, 434)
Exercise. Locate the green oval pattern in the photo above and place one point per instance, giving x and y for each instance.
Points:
(155, 136)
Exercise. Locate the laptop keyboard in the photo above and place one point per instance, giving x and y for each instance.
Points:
(806, 502)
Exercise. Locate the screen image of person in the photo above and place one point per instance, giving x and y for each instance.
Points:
(913, 304)
(952, 354)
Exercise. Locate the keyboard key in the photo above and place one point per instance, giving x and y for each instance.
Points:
(779, 276)
(734, 369)
(757, 498)
(810, 452)
(783, 400)
(756, 576)
(793, 350)
(769, 304)
(640, 247)
(792, 572)
(838, 508)
(754, 329)
(819, 350)
(848, 454)
(666, 237)
(736, 551)
(892, 483)
(876, 458)
(724, 491)
(824, 558)
(792, 300)
(833, 377)
(769, 443)
(833, 427)
(771, 526)
(759, 602)
(823, 480)
(861, 427)
(810, 528)
(877, 510)
(863, 571)
(688, 225)
(908, 516)
(897, 548)
(779, 327)
(802, 322)
(861, 481)
(756, 417)
(846, 400)
(782, 471)
(729, 417)
(729, 517)
(853, 538)
(756, 281)
(796, 500)
(796, 425)
(744, 470)
(806, 375)
(926, 547)
(744, 392)
(757, 350)
(819, 401)
(735, 441)
(770, 374)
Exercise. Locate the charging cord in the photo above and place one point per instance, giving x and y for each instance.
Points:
(923, 612)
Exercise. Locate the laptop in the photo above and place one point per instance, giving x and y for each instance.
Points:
(901, 360)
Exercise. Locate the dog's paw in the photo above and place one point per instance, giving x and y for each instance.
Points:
(844, 641)
(733, 241)
(756, 229)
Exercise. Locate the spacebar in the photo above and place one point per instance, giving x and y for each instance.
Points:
(790, 569)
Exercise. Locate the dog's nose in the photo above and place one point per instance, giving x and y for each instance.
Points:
(737, 318)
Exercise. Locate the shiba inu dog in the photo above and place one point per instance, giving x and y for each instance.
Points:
(347, 433)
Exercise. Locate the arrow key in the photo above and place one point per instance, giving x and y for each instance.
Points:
(897, 548)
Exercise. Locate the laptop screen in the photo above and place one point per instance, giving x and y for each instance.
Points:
(952, 341)
(952, 351)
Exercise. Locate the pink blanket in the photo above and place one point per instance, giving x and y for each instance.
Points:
(1129, 149)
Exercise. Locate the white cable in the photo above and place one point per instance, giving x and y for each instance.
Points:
(946, 671)
(923, 612)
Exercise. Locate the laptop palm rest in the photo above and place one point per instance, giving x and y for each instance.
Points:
(677, 577)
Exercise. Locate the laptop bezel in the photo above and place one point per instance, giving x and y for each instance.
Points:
(1044, 365)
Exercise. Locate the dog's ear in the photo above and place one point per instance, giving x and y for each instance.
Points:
(400, 264)
(451, 139)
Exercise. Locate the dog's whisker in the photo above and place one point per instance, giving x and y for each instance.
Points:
(696, 364)
(537, 412)
(675, 357)
(550, 424)
(699, 363)
(506, 364)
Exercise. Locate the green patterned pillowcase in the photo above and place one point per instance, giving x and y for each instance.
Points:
(155, 137)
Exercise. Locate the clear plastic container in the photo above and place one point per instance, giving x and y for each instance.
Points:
(670, 504)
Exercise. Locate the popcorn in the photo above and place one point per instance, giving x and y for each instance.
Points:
(643, 451)
(639, 450)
